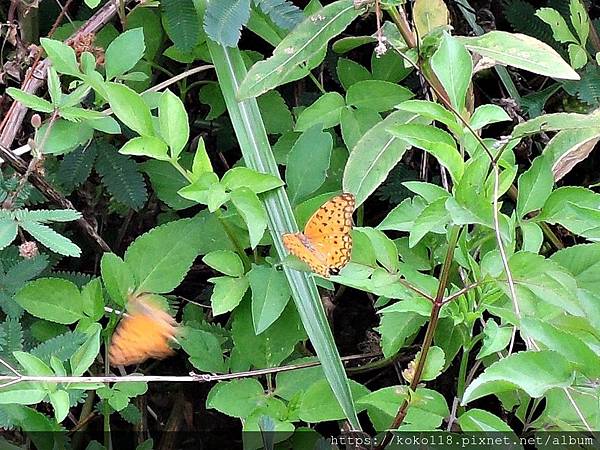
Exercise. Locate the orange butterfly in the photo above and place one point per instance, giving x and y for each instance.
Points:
(144, 332)
(326, 243)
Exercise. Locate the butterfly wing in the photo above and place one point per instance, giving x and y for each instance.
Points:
(142, 334)
(326, 243)
(298, 245)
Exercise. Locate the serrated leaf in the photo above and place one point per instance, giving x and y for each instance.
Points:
(51, 299)
(30, 100)
(533, 372)
(160, 258)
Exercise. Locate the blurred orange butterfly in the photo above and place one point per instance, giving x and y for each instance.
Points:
(326, 243)
(144, 332)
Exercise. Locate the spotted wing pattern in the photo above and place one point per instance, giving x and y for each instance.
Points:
(326, 243)
(144, 332)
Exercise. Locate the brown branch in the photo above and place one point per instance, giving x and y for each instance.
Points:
(36, 76)
(50, 193)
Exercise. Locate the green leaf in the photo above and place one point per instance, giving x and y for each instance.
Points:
(223, 21)
(283, 13)
(275, 112)
(521, 51)
(560, 29)
(303, 179)
(52, 299)
(571, 347)
(204, 350)
(61, 404)
(453, 66)
(395, 328)
(210, 94)
(434, 363)
(121, 177)
(252, 211)
(434, 141)
(575, 208)
(583, 262)
(355, 123)
(201, 163)
(182, 23)
(487, 114)
(389, 67)
(432, 111)
(33, 365)
(160, 258)
(124, 52)
(8, 232)
(62, 56)
(495, 339)
(173, 121)
(319, 404)
(324, 112)
(149, 146)
(374, 156)
(130, 108)
(533, 372)
(292, 382)
(580, 20)
(93, 299)
(532, 237)
(227, 293)
(62, 137)
(51, 239)
(167, 181)
(116, 277)
(546, 280)
(30, 100)
(237, 398)
(475, 420)
(52, 215)
(383, 247)
(85, 355)
(23, 393)
(243, 177)
(433, 218)
(225, 261)
(304, 42)
(535, 186)
(270, 295)
(376, 95)
(350, 72)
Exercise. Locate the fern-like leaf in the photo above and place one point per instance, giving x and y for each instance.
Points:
(521, 16)
(76, 167)
(52, 215)
(588, 88)
(182, 23)
(223, 21)
(50, 238)
(62, 346)
(77, 278)
(121, 178)
(283, 13)
(13, 342)
(23, 271)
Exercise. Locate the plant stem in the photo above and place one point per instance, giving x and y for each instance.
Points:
(428, 340)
